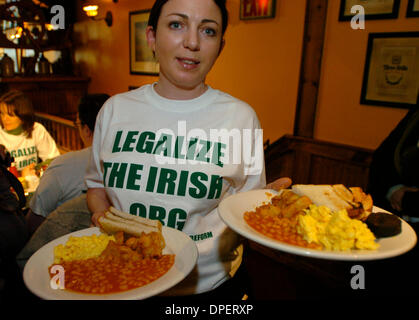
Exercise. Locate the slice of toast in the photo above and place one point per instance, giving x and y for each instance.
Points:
(115, 220)
(152, 223)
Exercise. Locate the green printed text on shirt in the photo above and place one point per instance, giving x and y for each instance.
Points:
(167, 145)
(203, 236)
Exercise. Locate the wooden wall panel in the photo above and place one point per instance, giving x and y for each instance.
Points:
(311, 161)
(63, 131)
(330, 171)
(282, 164)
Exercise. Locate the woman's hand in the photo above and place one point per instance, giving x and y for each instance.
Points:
(98, 203)
(95, 218)
(278, 184)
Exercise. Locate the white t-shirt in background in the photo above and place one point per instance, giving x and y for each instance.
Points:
(62, 181)
(27, 150)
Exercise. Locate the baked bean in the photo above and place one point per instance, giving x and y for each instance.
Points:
(281, 229)
(98, 275)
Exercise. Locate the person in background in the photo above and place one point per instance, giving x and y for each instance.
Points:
(25, 139)
(59, 205)
(394, 170)
(13, 230)
(135, 130)
(394, 186)
(64, 178)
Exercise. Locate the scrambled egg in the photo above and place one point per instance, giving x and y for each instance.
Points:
(335, 230)
(80, 248)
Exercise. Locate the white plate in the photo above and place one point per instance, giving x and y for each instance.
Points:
(37, 278)
(231, 211)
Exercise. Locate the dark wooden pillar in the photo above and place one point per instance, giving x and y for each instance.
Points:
(313, 40)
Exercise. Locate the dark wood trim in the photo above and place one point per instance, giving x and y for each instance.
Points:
(52, 118)
(54, 95)
(37, 79)
(332, 273)
(313, 40)
(307, 160)
(63, 131)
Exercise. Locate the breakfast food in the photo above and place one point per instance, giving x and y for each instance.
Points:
(337, 197)
(129, 256)
(335, 230)
(316, 217)
(115, 220)
(107, 275)
(384, 225)
(278, 219)
(81, 248)
(142, 235)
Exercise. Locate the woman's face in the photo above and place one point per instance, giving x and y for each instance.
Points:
(187, 41)
(10, 121)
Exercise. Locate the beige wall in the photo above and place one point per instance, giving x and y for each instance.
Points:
(102, 52)
(260, 65)
(340, 116)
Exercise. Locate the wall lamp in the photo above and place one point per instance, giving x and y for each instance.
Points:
(92, 11)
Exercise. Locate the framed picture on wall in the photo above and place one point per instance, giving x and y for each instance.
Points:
(257, 9)
(142, 60)
(412, 8)
(374, 9)
(391, 70)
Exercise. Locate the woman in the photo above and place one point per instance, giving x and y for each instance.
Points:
(154, 153)
(64, 178)
(25, 139)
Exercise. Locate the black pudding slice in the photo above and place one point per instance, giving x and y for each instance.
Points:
(384, 224)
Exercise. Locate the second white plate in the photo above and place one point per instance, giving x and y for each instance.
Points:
(37, 278)
(232, 209)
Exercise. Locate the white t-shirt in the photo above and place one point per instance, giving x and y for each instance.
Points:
(160, 159)
(62, 181)
(27, 150)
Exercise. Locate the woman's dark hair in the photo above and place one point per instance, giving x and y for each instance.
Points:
(19, 104)
(89, 107)
(158, 5)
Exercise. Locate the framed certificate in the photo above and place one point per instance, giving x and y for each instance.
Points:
(391, 70)
(412, 8)
(374, 9)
